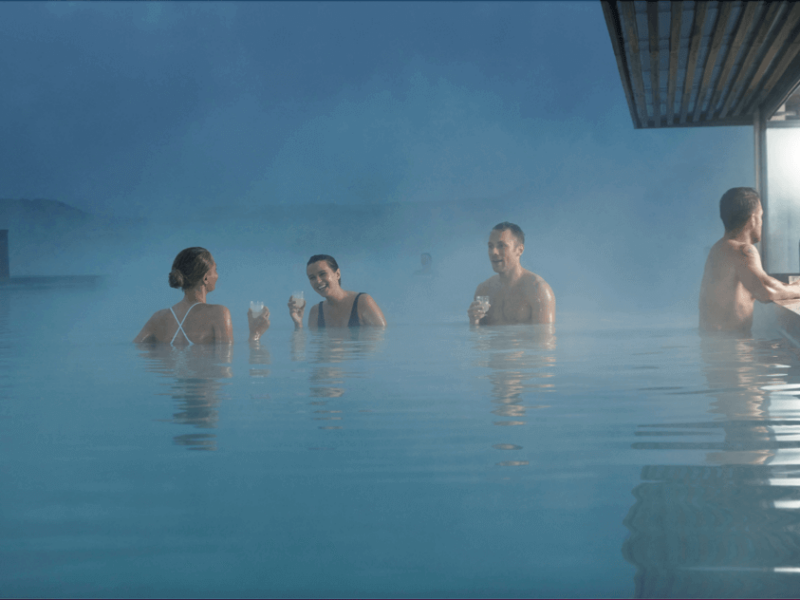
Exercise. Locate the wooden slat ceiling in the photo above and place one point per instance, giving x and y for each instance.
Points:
(689, 64)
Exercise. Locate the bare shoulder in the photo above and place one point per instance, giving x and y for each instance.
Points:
(151, 328)
(159, 318)
(535, 285)
(748, 250)
(733, 248)
(215, 310)
(738, 254)
(367, 300)
(160, 314)
(369, 312)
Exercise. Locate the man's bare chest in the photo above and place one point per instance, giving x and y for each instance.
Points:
(509, 306)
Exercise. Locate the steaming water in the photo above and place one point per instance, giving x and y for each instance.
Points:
(419, 461)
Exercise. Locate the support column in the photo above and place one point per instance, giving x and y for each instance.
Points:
(760, 155)
(4, 272)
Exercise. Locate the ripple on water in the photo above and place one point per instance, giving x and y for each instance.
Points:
(507, 447)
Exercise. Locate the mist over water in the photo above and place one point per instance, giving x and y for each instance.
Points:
(596, 271)
(270, 138)
(425, 459)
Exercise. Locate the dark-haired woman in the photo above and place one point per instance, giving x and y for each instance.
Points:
(339, 308)
(192, 321)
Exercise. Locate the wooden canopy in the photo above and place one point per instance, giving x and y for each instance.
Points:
(701, 63)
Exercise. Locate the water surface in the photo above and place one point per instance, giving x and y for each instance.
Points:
(589, 460)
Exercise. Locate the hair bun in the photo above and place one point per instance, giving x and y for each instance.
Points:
(176, 279)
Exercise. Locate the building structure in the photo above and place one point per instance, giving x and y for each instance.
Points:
(729, 63)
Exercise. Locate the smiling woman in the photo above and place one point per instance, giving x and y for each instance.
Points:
(339, 308)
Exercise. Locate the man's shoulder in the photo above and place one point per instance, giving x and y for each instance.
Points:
(735, 247)
(533, 281)
(748, 250)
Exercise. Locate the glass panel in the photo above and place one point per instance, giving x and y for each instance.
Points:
(783, 200)
(782, 233)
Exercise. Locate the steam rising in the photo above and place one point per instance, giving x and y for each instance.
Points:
(270, 138)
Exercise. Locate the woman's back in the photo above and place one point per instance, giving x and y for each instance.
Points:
(185, 325)
(191, 321)
(191, 324)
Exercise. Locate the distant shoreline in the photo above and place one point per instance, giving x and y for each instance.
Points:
(51, 281)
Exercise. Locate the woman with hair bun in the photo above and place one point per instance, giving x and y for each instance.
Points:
(192, 321)
(339, 308)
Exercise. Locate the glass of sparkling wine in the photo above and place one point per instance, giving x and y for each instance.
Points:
(298, 299)
(256, 308)
(484, 302)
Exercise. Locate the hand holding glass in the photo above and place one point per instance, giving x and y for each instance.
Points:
(484, 302)
(298, 299)
(256, 308)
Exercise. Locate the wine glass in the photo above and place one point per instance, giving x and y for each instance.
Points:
(298, 299)
(256, 308)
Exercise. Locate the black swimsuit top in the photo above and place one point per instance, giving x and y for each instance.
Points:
(353, 322)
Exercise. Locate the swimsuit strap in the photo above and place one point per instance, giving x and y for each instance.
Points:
(180, 325)
(354, 322)
(320, 317)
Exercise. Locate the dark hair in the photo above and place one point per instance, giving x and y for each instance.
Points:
(514, 229)
(328, 259)
(736, 206)
(189, 267)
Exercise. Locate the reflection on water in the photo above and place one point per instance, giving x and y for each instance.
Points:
(729, 527)
(332, 354)
(298, 345)
(194, 376)
(520, 361)
(259, 357)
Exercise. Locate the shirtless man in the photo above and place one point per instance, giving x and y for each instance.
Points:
(515, 294)
(734, 279)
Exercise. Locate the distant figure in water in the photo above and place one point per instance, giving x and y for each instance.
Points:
(515, 294)
(734, 278)
(426, 260)
(192, 321)
(340, 307)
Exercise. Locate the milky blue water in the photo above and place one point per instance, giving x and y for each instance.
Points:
(598, 459)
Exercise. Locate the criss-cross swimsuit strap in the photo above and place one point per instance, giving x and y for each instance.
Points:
(180, 325)
(353, 322)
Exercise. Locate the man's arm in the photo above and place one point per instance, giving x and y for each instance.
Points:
(763, 287)
(543, 303)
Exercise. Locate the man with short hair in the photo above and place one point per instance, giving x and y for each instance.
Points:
(734, 278)
(515, 294)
